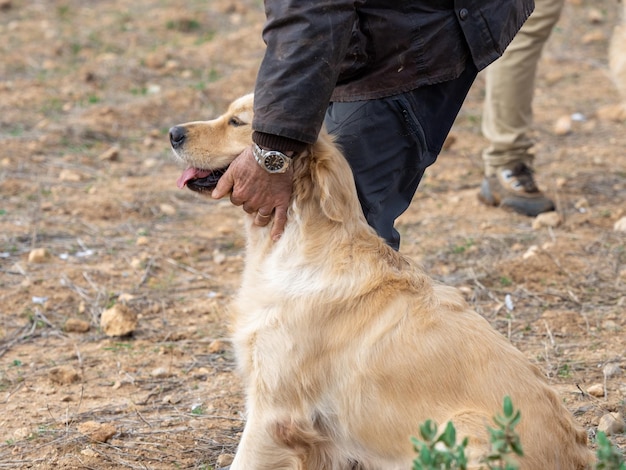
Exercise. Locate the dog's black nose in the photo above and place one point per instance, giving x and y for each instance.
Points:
(177, 136)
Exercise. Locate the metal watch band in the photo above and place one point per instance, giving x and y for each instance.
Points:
(271, 161)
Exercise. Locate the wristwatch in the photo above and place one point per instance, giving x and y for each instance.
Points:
(271, 161)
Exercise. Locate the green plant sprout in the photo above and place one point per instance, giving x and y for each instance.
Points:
(442, 452)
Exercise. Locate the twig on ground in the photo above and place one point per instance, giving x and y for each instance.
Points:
(552, 341)
(146, 272)
(27, 332)
(188, 268)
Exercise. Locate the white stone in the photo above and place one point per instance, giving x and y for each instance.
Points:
(620, 225)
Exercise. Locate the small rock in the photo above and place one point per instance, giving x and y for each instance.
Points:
(153, 89)
(465, 290)
(160, 372)
(88, 452)
(610, 325)
(595, 16)
(76, 325)
(150, 162)
(593, 36)
(612, 112)
(64, 375)
(167, 209)
(169, 399)
(217, 346)
(118, 320)
(596, 390)
(225, 460)
(620, 225)
(97, 432)
(154, 60)
(563, 125)
(553, 77)
(110, 155)
(125, 297)
(38, 255)
(582, 205)
(612, 423)
(21, 433)
(142, 240)
(173, 65)
(219, 257)
(547, 219)
(70, 176)
(532, 251)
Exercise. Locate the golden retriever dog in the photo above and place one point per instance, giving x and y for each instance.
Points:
(346, 346)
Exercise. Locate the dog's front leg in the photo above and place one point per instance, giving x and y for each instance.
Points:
(259, 449)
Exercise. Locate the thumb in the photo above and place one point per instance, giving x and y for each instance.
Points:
(224, 185)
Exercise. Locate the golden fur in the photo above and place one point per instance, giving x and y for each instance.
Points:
(347, 346)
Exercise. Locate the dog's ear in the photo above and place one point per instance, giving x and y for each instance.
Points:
(332, 176)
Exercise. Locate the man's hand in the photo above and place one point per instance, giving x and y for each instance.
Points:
(257, 191)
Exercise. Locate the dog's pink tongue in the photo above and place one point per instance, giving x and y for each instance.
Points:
(190, 174)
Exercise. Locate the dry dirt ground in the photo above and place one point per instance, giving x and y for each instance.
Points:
(87, 93)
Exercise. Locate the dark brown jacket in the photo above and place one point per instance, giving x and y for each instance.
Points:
(349, 50)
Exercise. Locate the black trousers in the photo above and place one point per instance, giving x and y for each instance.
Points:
(389, 143)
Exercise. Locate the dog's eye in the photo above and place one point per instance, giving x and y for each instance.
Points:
(235, 122)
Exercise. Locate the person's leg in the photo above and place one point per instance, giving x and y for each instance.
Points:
(389, 143)
(507, 116)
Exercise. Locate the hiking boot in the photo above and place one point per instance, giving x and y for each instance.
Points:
(515, 189)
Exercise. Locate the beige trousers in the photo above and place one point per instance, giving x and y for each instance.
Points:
(510, 86)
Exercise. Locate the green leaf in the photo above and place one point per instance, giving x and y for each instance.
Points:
(428, 430)
(508, 406)
(517, 447)
(516, 419)
(425, 456)
(449, 435)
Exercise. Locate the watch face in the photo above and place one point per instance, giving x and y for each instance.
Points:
(274, 162)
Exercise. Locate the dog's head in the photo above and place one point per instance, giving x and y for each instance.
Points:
(208, 147)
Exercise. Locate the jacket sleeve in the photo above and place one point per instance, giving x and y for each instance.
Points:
(306, 43)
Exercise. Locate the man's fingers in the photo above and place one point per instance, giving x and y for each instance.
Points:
(246, 206)
(280, 218)
(262, 219)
